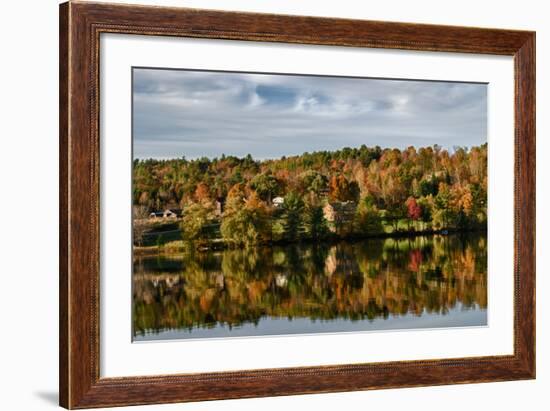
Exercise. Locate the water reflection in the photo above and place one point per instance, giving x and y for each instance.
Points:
(372, 284)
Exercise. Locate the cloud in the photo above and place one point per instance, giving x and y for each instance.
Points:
(194, 114)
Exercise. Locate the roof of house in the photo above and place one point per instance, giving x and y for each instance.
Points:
(176, 211)
(343, 206)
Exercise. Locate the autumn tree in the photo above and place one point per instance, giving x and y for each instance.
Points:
(367, 218)
(235, 197)
(479, 202)
(266, 185)
(429, 186)
(246, 222)
(202, 193)
(313, 181)
(443, 211)
(340, 189)
(414, 211)
(315, 222)
(393, 195)
(195, 220)
(292, 216)
(427, 206)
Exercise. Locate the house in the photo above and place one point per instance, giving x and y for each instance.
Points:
(281, 280)
(170, 213)
(278, 201)
(340, 215)
(219, 206)
(173, 213)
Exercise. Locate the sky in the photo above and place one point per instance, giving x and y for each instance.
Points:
(203, 113)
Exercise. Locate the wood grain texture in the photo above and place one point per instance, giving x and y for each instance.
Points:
(63, 204)
(80, 27)
(525, 201)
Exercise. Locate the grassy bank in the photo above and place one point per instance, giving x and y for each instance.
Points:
(168, 247)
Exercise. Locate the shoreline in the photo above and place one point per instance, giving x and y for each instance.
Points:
(180, 246)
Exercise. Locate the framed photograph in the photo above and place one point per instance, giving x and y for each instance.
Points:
(259, 205)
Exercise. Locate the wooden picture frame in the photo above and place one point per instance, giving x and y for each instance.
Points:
(80, 27)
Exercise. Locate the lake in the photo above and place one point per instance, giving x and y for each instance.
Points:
(368, 285)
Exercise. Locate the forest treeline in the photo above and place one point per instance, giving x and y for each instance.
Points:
(349, 192)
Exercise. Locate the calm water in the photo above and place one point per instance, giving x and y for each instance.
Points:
(423, 282)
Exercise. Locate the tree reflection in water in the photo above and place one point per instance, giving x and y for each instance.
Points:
(352, 281)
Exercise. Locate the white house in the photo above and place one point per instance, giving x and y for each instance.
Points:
(172, 213)
(278, 201)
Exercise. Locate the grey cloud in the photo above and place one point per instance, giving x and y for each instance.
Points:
(193, 114)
